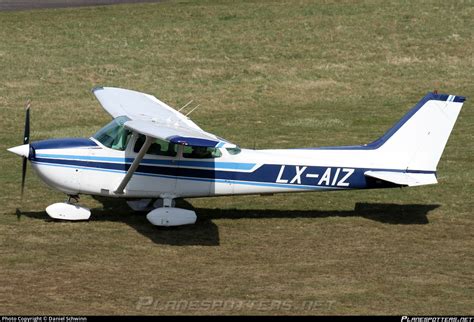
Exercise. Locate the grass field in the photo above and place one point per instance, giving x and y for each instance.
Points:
(267, 74)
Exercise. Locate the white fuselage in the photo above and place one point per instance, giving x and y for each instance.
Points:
(98, 170)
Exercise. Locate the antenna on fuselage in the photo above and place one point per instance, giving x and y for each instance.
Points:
(185, 105)
(193, 109)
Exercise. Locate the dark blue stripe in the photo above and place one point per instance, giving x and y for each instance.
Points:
(267, 173)
(459, 99)
(63, 143)
(172, 162)
(192, 141)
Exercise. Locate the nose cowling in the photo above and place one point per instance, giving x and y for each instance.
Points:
(21, 150)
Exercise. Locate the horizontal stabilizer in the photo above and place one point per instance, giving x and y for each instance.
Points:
(403, 178)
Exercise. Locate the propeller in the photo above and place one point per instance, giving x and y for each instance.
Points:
(26, 140)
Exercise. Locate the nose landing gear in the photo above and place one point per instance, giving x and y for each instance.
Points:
(68, 210)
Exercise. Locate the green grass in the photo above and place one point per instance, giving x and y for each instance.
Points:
(267, 74)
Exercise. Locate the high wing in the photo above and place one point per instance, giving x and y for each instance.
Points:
(152, 117)
(139, 106)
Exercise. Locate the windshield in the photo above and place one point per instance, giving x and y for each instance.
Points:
(114, 135)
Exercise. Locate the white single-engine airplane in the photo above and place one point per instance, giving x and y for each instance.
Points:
(152, 154)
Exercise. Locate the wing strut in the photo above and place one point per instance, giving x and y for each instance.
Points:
(149, 140)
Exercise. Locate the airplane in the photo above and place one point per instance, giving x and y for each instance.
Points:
(151, 154)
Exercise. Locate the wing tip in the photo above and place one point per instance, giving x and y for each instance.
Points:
(97, 88)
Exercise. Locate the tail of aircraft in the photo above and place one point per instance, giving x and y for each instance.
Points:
(417, 141)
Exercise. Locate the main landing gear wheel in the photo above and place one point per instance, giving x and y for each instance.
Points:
(168, 216)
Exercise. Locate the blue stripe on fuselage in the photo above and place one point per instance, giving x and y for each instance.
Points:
(63, 143)
(289, 175)
(249, 183)
(174, 163)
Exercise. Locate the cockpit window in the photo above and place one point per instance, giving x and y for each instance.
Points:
(159, 147)
(114, 135)
(199, 152)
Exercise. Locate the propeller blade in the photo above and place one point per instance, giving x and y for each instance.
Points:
(23, 175)
(26, 140)
(26, 136)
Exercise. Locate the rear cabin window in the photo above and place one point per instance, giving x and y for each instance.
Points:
(200, 152)
(159, 147)
(234, 151)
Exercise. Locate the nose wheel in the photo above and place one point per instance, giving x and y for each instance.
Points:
(68, 210)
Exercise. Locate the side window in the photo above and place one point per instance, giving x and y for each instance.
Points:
(234, 151)
(199, 152)
(159, 147)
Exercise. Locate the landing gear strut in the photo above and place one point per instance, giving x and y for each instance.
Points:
(75, 199)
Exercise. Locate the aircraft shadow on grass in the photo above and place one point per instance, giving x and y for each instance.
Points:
(206, 233)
